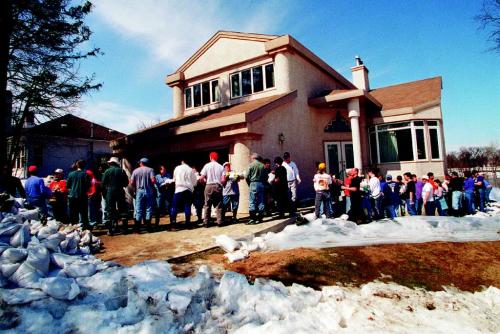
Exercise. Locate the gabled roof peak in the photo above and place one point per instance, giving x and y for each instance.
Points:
(224, 34)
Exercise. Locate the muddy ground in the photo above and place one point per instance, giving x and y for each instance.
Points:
(468, 266)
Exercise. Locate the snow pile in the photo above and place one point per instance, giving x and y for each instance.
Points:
(148, 298)
(324, 233)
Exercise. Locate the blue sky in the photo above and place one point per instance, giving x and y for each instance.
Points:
(399, 41)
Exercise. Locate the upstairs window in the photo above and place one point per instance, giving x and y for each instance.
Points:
(201, 94)
(252, 80)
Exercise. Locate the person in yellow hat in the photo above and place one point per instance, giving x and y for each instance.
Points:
(322, 181)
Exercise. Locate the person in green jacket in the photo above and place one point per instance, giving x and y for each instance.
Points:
(114, 180)
(78, 183)
(255, 179)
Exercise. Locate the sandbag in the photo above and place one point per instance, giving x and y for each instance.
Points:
(9, 226)
(51, 245)
(60, 287)
(28, 214)
(226, 243)
(3, 246)
(26, 276)
(21, 296)
(39, 258)
(21, 237)
(45, 232)
(3, 282)
(80, 269)
(14, 255)
(62, 260)
(9, 268)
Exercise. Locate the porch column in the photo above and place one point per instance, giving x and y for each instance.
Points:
(354, 113)
(178, 105)
(239, 162)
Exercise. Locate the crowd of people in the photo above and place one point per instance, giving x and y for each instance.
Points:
(93, 197)
(375, 196)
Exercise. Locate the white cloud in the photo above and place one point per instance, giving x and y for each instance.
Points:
(172, 30)
(116, 116)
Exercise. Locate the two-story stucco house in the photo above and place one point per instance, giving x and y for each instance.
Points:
(242, 93)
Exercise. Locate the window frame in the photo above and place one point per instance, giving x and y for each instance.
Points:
(240, 83)
(211, 97)
(437, 127)
(375, 129)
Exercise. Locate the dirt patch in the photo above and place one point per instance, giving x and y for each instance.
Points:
(468, 266)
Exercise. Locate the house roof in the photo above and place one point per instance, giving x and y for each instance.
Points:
(71, 126)
(409, 94)
(329, 98)
(227, 115)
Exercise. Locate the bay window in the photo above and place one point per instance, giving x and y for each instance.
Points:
(404, 141)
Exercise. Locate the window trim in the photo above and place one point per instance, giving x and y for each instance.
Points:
(264, 81)
(211, 98)
(439, 142)
(427, 140)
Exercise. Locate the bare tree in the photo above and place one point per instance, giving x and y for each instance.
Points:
(489, 20)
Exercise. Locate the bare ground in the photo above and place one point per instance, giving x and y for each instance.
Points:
(468, 266)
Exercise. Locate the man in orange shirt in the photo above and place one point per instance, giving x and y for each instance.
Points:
(58, 201)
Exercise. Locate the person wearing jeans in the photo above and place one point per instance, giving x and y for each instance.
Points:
(185, 180)
(255, 179)
(143, 180)
(469, 192)
(322, 181)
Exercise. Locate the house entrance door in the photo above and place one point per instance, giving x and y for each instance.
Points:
(339, 157)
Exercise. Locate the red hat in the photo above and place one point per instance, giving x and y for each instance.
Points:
(213, 156)
(32, 169)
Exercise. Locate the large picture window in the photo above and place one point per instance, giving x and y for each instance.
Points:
(201, 94)
(404, 141)
(253, 80)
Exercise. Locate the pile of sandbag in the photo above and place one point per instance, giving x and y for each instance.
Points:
(43, 257)
(238, 250)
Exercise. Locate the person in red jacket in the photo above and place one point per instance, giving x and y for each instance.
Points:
(59, 199)
(95, 197)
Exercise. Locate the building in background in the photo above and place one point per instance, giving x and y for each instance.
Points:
(242, 93)
(58, 143)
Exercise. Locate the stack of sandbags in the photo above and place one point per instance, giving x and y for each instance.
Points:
(46, 257)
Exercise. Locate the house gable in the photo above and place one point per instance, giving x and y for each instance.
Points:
(225, 49)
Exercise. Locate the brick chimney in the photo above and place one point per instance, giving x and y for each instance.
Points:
(360, 75)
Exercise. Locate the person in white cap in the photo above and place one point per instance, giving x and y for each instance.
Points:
(143, 180)
(114, 180)
(428, 197)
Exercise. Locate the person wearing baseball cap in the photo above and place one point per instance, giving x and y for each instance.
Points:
(143, 180)
(59, 199)
(36, 191)
(212, 173)
(322, 181)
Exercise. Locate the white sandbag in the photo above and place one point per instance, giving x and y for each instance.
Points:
(21, 296)
(35, 226)
(46, 232)
(60, 287)
(21, 237)
(58, 272)
(62, 260)
(226, 243)
(54, 225)
(28, 214)
(26, 276)
(237, 256)
(80, 269)
(9, 226)
(52, 245)
(39, 258)
(3, 282)
(14, 255)
(9, 268)
(86, 238)
(20, 201)
(249, 246)
(3, 246)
